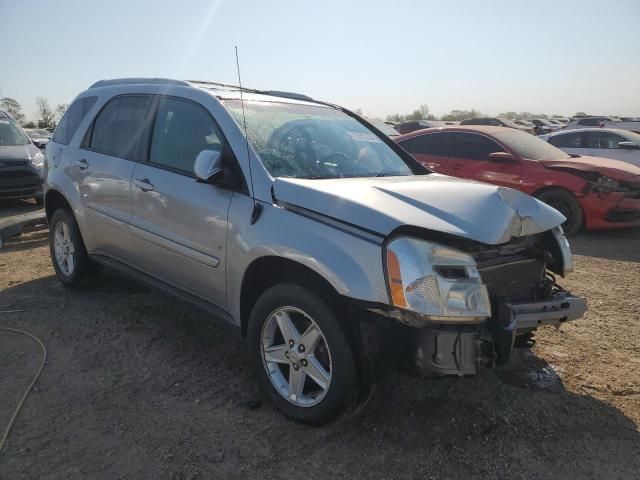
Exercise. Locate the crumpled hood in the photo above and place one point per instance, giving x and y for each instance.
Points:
(477, 211)
(19, 152)
(616, 169)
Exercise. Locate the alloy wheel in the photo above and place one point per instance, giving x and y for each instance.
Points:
(64, 248)
(296, 356)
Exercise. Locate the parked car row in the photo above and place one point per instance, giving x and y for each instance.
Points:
(39, 136)
(591, 192)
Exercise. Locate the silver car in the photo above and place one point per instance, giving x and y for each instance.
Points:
(329, 247)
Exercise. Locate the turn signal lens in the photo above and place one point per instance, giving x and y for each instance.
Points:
(395, 280)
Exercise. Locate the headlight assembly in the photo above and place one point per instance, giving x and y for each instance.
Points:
(37, 160)
(436, 281)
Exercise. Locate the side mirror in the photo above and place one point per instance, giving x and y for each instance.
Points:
(629, 145)
(207, 166)
(504, 157)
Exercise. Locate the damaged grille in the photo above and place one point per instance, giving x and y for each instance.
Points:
(516, 277)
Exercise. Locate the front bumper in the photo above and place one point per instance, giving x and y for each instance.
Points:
(20, 180)
(462, 349)
(611, 210)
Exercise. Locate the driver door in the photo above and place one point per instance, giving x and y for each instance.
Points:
(469, 158)
(180, 225)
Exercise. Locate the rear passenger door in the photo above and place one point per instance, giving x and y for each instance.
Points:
(102, 172)
(469, 158)
(430, 150)
(179, 225)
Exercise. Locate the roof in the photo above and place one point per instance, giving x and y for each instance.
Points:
(221, 90)
(488, 129)
(586, 129)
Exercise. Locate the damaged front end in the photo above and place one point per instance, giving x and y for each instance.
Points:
(465, 306)
(610, 197)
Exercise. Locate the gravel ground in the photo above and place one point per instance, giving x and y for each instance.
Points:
(138, 385)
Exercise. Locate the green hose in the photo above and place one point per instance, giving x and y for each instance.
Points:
(5, 435)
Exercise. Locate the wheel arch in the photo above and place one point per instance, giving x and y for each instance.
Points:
(549, 188)
(267, 271)
(54, 200)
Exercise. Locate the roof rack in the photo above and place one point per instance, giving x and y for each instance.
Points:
(138, 81)
(273, 93)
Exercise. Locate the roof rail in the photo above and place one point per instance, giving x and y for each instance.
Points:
(273, 93)
(138, 81)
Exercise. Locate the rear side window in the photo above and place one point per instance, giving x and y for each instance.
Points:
(432, 144)
(182, 130)
(71, 120)
(118, 128)
(472, 146)
(567, 140)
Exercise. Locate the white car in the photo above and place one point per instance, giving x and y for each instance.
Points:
(631, 125)
(592, 121)
(598, 142)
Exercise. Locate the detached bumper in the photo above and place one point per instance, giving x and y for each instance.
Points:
(461, 350)
(561, 308)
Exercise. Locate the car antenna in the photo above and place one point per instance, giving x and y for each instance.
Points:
(257, 208)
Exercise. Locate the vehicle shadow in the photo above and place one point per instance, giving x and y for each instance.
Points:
(9, 208)
(142, 383)
(599, 244)
(25, 241)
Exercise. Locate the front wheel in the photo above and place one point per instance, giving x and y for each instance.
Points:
(301, 356)
(566, 204)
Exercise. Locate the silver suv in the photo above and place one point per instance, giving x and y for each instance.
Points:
(326, 244)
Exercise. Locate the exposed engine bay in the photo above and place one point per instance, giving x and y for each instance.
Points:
(524, 295)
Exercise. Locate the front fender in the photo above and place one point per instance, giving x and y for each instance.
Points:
(351, 264)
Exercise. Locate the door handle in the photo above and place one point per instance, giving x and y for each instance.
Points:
(457, 166)
(143, 184)
(81, 164)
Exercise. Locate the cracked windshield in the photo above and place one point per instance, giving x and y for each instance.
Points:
(308, 141)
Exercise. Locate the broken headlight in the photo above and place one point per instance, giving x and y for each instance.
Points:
(436, 281)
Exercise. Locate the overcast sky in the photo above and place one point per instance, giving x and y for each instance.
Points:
(381, 56)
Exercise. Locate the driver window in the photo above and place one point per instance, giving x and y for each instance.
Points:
(472, 146)
(181, 131)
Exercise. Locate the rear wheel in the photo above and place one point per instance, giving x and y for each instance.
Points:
(566, 204)
(68, 254)
(301, 356)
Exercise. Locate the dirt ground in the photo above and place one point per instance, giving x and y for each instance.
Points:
(139, 385)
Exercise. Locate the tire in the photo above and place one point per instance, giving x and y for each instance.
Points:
(332, 351)
(565, 203)
(64, 228)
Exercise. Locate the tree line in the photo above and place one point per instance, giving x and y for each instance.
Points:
(47, 117)
(423, 113)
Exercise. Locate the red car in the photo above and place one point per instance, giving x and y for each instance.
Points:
(594, 192)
